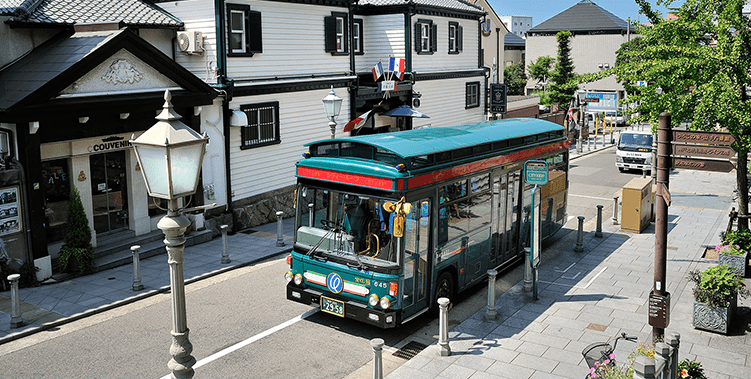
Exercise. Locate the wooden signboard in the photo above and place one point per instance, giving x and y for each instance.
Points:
(699, 151)
(703, 164)
(704, 138)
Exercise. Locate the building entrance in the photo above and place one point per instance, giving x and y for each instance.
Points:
(109, 191)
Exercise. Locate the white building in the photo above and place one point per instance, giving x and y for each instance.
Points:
(518, 25)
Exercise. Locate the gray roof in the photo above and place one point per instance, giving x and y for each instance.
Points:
(46, 62)
(585, 16)
(130, 12)
(511, 39)
(456, 5)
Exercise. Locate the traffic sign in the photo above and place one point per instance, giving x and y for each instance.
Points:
(536, 172)
(703, 164)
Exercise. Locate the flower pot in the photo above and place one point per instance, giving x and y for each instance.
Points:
(714, 319)
(738, 262)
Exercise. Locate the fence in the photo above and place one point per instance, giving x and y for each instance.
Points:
(665, 363)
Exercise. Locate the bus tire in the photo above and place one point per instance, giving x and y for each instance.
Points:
(444, 288)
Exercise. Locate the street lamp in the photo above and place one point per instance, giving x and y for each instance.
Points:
(332, 104)
(170, 155)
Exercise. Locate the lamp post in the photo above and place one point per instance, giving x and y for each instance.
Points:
(170, 155)
(332, 104)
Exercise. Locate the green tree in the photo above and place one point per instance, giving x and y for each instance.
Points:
(697, 68)
(540, 69)
(563, 84)
(515, 78)
(77, 242)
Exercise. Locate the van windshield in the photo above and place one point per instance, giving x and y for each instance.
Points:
(636, 139)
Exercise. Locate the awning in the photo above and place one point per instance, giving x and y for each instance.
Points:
(404, 111)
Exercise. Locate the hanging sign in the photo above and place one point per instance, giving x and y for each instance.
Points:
(536, 172)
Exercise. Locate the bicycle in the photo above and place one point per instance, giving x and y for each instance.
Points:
(600, 354)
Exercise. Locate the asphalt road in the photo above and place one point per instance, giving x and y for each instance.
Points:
(242, 326)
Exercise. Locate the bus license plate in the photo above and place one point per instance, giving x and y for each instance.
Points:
(335, 307)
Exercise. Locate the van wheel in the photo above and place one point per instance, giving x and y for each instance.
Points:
(444, 288)
(620, 169)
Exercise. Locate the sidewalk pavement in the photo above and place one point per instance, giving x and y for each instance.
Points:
(56, 303)
(593, 296)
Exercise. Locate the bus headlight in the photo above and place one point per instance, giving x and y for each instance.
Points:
(288, 275)
(373, 300)
(385, 302)
(298, 279)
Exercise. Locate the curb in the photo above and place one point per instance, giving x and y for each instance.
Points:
(130, 300)
(590, 152)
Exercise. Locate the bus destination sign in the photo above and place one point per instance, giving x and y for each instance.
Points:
(536, 172)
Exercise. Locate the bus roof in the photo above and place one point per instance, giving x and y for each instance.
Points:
(413, 143)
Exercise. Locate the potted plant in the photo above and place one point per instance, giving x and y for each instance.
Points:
(741, 239)
(716, 292)
(733, 257)
(76, 254)
(689, 369)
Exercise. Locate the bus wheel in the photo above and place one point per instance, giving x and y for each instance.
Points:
(444, 288)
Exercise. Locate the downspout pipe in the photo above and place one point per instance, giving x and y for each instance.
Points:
(226, 87)
(352, 64)
(498, 78)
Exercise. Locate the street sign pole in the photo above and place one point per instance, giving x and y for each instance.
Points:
(535, 172)
(659, 285)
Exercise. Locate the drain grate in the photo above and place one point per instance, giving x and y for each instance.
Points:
(409, 350)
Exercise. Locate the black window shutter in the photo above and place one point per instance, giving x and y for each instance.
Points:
(418, 37)
(255, 41)
(459, 38)
(434, 38)
(329, 24)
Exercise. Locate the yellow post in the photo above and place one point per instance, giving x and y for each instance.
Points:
(611, 125)
(597, 123)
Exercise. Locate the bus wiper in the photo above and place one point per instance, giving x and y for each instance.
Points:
(334, 226)
(318, 244)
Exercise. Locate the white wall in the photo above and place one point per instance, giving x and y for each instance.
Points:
(383, 36)
(444, 101)
(301, 120)
(15, 42)
(441, 60)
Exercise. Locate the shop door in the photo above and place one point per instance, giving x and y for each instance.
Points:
(109, 191)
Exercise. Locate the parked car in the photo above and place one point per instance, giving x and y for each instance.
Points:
(616, 118)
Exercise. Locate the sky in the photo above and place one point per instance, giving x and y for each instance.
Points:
(541, 10)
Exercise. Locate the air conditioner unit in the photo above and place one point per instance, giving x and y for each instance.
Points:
(190, 42)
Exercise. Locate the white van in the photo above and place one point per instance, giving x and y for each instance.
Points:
(634, 151)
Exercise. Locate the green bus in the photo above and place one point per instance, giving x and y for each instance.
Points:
(388, 223)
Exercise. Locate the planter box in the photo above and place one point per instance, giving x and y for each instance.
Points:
(738, 262)
(714, 319)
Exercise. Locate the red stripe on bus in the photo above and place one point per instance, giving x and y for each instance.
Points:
(344, 177)
(469, 168)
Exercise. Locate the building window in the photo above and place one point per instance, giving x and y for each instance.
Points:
(455, 37)
(473, 95)
(263, 125)
(357, 37)
(336, 33)
(425, 37)
(243, 31)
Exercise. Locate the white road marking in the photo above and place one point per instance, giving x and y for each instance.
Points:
(250, 340)
(591, 197)
(567, 268)
(582, 287)
(573, 277)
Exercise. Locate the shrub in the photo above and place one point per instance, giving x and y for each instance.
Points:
(717, 286)
(729, 250)
(77, 241)
(689, 369)
(741, 238)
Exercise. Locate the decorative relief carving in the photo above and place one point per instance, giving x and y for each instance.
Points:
(122, 71)
(81, 177)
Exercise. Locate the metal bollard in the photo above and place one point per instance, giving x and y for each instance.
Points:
(377, 345)
(527, 270)
(598, 232)
(580, 236)
(643, 173)
(443, 326)
(491, 313)
(595, 142)
(589, 147)
(225, 252)
(279, 233)
(16, 321)
(615, 210)
(310, 214)
(579, 145)
(137, 285)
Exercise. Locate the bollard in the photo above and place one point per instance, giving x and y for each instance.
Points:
(137, 286)
(615, 210)
(580, 236)
(310, 214)
(443, 327)
(527, 270)
(279, 233)
(595, 142)
(579, 145)
(225, 253)
(644, 173)
(16, 321)
(491, 313)
(598, 232)
(377, 345)
(589, 148)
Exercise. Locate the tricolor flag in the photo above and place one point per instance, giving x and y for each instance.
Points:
(396, 64)
(377, 71)
(358, 122)
(570, 114)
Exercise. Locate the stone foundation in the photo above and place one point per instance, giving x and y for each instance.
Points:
(257, 210)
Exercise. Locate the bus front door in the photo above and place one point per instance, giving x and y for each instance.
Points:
(415, 284)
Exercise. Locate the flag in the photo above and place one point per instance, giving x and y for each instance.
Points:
(396, 64)
(399, 75)
(570, 114)
(377, 71)
(358, 122)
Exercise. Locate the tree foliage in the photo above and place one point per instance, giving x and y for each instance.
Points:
(696, 67)
(540, 69)
(515, 78)
(563, 85)
(77, 242)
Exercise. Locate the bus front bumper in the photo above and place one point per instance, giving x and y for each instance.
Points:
(359, 312)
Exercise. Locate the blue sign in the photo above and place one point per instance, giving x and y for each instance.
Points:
(536, 172)
(335, 282)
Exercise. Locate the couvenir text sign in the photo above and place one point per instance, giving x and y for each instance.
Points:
(102, 144)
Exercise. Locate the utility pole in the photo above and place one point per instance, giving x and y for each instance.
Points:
(659, 300)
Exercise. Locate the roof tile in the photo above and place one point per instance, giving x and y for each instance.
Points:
(131, 12)
(584, 16)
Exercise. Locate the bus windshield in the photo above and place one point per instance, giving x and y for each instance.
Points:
(343, 225)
